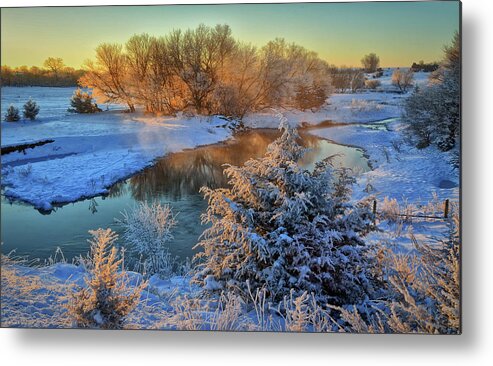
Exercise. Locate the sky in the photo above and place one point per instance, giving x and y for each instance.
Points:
(341, 33)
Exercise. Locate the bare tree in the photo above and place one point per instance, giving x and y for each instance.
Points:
(197, 56)
(107, 76)
(208, 70)
(55, 64)
(403, 79)
(370, 62)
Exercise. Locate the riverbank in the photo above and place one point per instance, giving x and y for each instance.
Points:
(89, 153)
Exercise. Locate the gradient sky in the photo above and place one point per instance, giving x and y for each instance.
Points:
(341, 33)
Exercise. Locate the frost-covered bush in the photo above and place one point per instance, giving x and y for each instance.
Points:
(107, 297)
(31, 110)
(12, 114)
(147, 231)
(364, 106)
(81, 102)
(432, 113)
(282, 228)
(421, 291)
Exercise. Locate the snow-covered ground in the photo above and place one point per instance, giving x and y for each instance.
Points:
(90, 153)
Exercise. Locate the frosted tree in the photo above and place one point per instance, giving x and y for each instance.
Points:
(281, 227)
(12, 114)
(432, 113)
(197, 56)
(147, 231)
(31, 110)
(108, 296)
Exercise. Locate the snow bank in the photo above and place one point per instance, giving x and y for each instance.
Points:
(409, 174)
(91, 152)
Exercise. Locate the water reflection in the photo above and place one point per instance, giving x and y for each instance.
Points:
(184, 173)
(175, 179)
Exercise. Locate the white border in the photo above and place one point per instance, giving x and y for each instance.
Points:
(474, 347)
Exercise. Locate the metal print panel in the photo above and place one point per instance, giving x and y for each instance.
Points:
(239, 167)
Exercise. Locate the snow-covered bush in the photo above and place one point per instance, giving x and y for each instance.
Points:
(81, 102)
(364, 106)
(393, 212)
(421, 291)
(281, 227)
(107, 298)
(31, 110)
(432, 113)
(12, 114)
(147, 231)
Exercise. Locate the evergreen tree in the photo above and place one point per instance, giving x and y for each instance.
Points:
(81, 102)
(12, 114)
(282, 228)
(31, 110)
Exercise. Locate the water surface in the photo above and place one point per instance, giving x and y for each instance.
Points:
(174, 179)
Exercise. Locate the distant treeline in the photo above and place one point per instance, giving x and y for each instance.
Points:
(54, 73)
(421, 66)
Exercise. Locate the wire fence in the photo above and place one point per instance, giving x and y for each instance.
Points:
(414, 212)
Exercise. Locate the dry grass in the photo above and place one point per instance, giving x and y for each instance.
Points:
(27, 301)
(416, 292)
(107, 298)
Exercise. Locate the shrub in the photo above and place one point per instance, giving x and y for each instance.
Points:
(310, 97)
(344, 79)
(107, 298)
(421, 66)
(147, 230)
(422, 291)
(81, 102)
(31, 110)
(372, 84)
(370, 62)
(403, 79)
(282, 227)
(12, 114)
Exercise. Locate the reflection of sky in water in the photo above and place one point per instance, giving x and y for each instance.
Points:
(175, 179)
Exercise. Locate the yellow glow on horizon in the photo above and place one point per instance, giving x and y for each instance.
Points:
(340, 33)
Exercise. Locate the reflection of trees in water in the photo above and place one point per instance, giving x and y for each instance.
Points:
(117, 190)
(184, 173)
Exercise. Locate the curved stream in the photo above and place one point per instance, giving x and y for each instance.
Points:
(174, 179)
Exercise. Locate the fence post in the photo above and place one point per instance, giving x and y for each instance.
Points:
(374, 210)
(445, 209)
